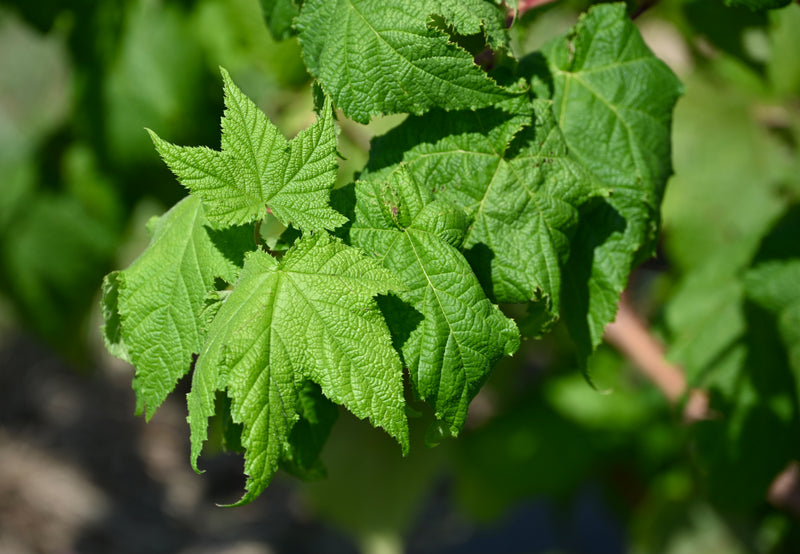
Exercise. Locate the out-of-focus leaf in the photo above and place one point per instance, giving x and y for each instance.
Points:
(53, 259)
(156, 81)
(728, 172)
(727, 324)
(35, 87)
(727, 28)
(758, 5)
(279, 15)
(783, 67)
(775, 286)
(231, 33)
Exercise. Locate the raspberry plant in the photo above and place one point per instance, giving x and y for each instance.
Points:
(534, 180)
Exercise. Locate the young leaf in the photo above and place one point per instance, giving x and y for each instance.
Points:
(451, 352)
(310, 316)
(151, 308)
(613, 100)
(384, 56)
(258, 171)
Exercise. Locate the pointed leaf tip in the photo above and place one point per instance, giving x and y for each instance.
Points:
(257, 171)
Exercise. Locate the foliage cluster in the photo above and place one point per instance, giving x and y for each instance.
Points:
(527, 173)
(500, 172)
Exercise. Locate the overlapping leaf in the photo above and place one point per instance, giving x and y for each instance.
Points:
(310, 316)
(613, 102)
(258, 171)
(732, 326)
(152, 307)
(387, 56)
(523, 199)
(310, 433)
(551, 201)
(461, 335)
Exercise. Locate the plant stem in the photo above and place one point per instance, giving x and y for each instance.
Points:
(257, 233)
(629, 334)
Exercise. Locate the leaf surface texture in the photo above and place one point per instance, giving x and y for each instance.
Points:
(310, 316)
(388, 56)
(462, 334)
(153, 307)
(258, 171)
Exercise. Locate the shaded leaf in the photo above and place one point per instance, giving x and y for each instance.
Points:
(452, 350)
(613, 101)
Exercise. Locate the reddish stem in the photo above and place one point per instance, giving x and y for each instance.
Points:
(525, 5)
(629, 334)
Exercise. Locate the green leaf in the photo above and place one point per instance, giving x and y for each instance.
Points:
(727, 190)
(758, 5)
(753, 391)
(52, 257)
(523, 199)
(258, 171)
(452, 350)
(310, 433)
(732, 325)
(386, 56)
(279, 15)
(775, 286)
(160, 296)
(310, 316)
(613, 101)
(783, 68)
(112, 322)
(584, 202)
(705, 314)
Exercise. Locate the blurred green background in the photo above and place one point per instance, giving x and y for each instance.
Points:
(547, 464)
